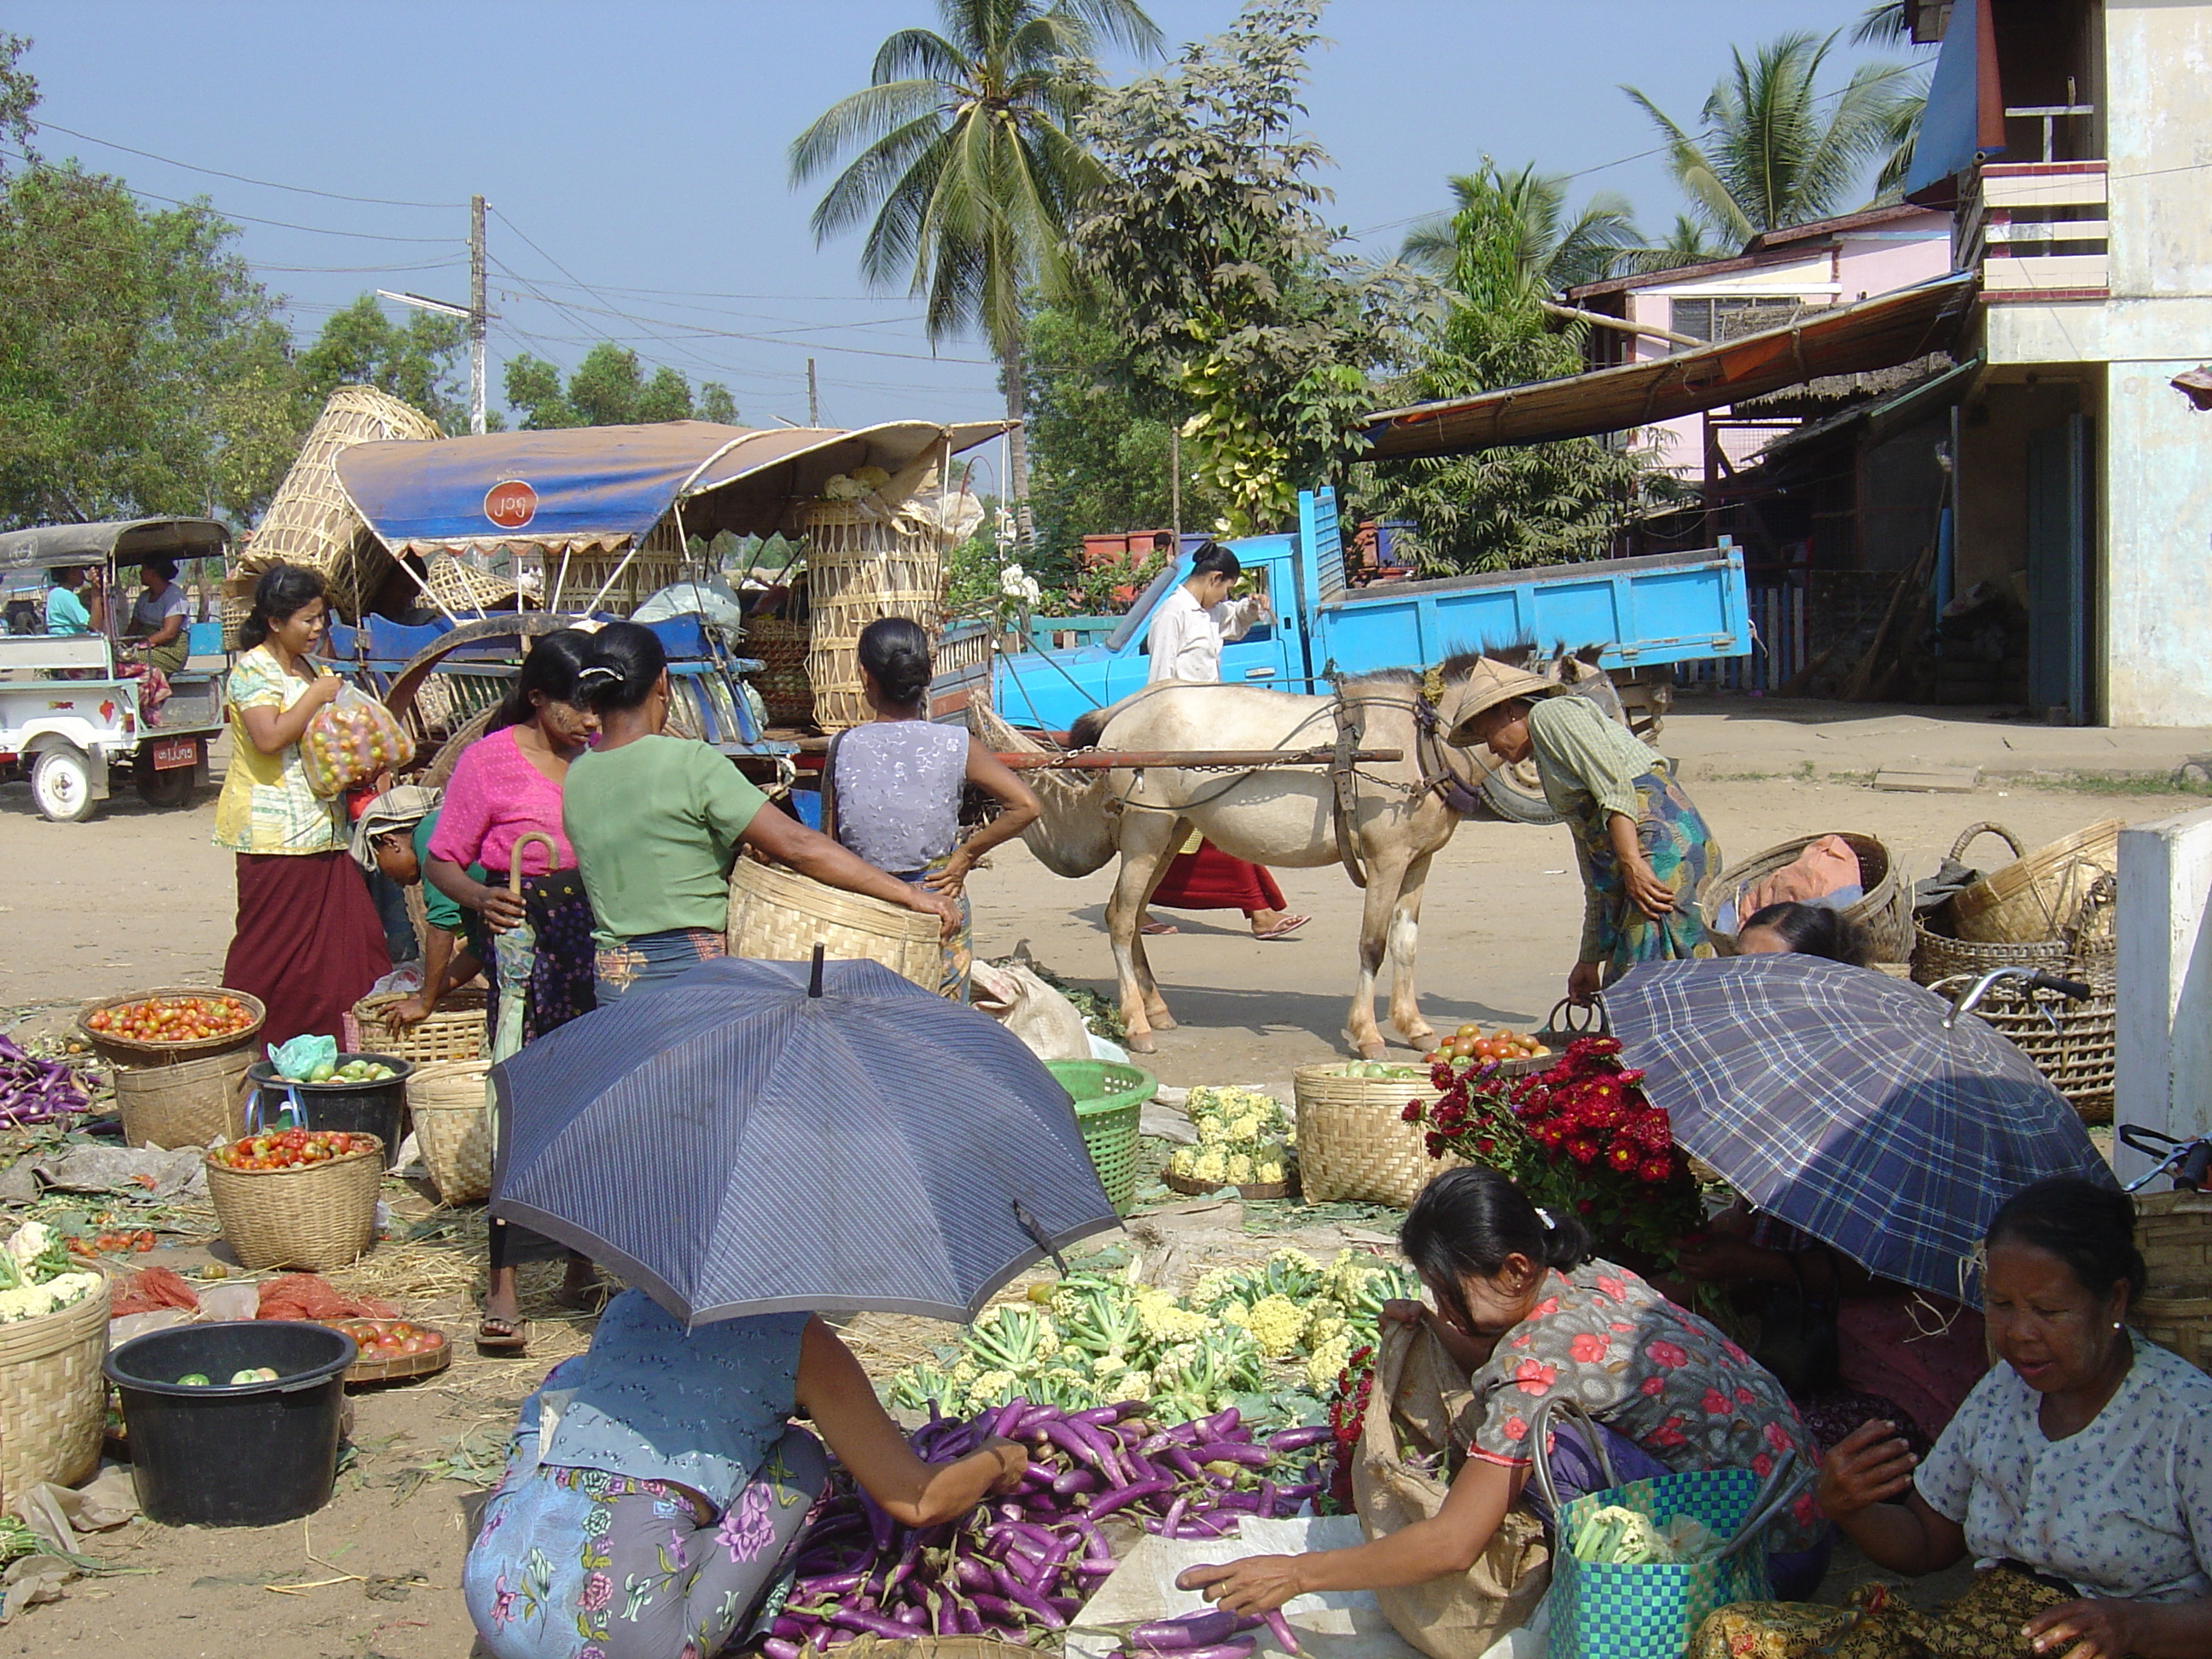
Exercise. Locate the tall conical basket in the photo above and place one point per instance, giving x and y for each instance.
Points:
(865, 560)
(311, 523)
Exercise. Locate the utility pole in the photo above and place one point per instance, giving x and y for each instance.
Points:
(477, 314)
(813, 397)
(1174, 484)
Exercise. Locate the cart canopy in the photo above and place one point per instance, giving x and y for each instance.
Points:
(602, 486)
(58, 546)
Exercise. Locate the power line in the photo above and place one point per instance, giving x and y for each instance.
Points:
(267, 184)
(280, 224)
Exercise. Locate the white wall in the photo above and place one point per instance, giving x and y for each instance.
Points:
(2165, 1079)
(2157, 498)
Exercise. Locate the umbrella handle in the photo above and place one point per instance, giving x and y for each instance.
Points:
(515, 857)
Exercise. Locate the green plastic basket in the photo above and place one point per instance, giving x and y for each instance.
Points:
(1109, 1099)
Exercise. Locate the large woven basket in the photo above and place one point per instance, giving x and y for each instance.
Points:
(783, 685)
(187, 1105)
(780, 916)
(127, 1051)
(314, 1218)
(466, 589)
(1884, 914)
(310, 522)
(2040, 895)
(52, 1397)
(454, 1030)
(1354, 1143)
(2074, 1044)
(2174, 1232)
(865, 560)
(452, 1128)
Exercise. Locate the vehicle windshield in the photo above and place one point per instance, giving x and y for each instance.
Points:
(1155, 591)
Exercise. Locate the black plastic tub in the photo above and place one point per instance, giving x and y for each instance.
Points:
(247, 1454)
(369, 1108)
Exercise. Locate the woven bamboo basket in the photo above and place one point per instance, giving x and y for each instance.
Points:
(454, 1030)
(184, 1105)
(863, 560)
(2074, 1044)
(314, 1218)
(52, 1396)
(466, 589)
(2039, 895)
(2174, 1231)
(232, 610)
(1885, 914)
(783, 685)
(129, 1051)
(452, 1128)
(1354, 1142)
(780, 916)
(310, 522)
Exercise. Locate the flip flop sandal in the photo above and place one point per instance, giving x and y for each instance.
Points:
(590, 1299)
(1159, 929)
(497, 1335)
(1285, 928)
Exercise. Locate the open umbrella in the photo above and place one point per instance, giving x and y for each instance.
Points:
(752, 1139)
(1837, 1100)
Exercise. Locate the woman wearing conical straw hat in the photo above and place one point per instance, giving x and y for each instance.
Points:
(1646, 854)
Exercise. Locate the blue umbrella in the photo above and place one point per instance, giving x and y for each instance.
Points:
(1836, 1099)
(742, 1142)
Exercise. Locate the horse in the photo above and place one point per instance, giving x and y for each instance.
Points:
(1401, 813)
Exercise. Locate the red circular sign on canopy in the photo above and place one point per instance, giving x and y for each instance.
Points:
(511, 504)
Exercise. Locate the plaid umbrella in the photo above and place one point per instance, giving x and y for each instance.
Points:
(1834, 1099)
(744, 1141)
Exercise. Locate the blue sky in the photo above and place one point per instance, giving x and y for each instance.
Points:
(634, 152)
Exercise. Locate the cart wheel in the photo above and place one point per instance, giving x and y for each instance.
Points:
(1517, 797)
(164, 788)
(61, 784)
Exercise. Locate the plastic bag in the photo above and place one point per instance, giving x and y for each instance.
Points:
(298, 1060)
(349, 740)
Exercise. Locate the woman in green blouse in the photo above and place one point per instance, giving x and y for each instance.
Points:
(1647, 857)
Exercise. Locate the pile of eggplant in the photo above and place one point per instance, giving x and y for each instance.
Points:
(33, 1090)
(1022, 1565)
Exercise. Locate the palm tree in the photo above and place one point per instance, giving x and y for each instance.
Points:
(1555, 252)
(1769, 155)
(1685, 243)
(968, 163)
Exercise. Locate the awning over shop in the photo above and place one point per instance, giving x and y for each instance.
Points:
(1882, 418)
(602, 486)
(1877, 333)
(55, 546)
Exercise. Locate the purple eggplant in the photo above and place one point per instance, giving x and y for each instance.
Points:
(1191, 1630)
(1290, 1440)
(1232, 1451)
(1280, 1628)
(1123, 1497)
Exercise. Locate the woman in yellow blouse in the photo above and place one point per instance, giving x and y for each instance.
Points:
(309, 943)
(1646, 855)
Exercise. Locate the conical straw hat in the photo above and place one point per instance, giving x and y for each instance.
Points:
(1486, 685)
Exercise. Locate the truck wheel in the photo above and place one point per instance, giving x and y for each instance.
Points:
(1517, 799)
(61, 784)
(164, 788)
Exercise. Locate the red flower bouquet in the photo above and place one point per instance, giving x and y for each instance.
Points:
(1582, 1137)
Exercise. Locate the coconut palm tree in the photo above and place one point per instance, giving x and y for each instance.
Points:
(1556, 252)
(1773, 152)
(968, 162)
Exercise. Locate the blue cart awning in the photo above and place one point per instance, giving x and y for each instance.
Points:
(604, 486)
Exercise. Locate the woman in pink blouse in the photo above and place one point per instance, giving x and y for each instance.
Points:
(507, 785)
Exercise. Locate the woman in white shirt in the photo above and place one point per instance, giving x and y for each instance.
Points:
(2078, 1475)
(1184, 644)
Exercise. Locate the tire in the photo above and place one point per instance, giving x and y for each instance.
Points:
(165, 788)
(61, 784)
(1505, 794)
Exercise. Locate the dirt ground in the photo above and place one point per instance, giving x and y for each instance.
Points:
(139, 898)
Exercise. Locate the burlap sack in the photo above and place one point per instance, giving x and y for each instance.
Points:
(1406, 1462)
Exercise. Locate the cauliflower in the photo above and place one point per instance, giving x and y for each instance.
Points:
(1268, 1174)
(1174, 1365)
(1210, 1166)
(1323, 1323)
(992, 1389)
(1240, 1169)
(1327, 1364)
(870, 478)
(1164, 1320)
(31, 1240)
(1276, 1323)
(31, 1301)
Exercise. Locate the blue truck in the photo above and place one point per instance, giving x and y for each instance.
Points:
(1647, 613)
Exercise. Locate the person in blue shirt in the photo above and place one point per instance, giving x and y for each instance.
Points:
(75, 604)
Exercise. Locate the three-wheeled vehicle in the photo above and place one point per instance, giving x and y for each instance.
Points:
(69, 718)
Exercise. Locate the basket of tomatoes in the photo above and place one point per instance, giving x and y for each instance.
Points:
(1511, 1053)
(171, 1025)
(393, 1348)
(297, 1198)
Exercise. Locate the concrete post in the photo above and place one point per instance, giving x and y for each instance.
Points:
(2165, 1079)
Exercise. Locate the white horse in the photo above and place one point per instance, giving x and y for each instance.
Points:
(1281, 815)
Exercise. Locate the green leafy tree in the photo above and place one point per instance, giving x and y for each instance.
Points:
(142, 370)
(419, 362)
(19, 96)
(1559, 251)
(610, 387)
(1506, 508)
(967, 170)
(1776, 152)
(1212, 264)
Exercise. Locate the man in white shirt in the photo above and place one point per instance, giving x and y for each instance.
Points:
(1197, 619)
(1184, 642)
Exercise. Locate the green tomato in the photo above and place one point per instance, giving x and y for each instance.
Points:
(252, 1375)
(323, 1072)
(192, 1380)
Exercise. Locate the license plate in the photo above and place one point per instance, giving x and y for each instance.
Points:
(175, 753)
